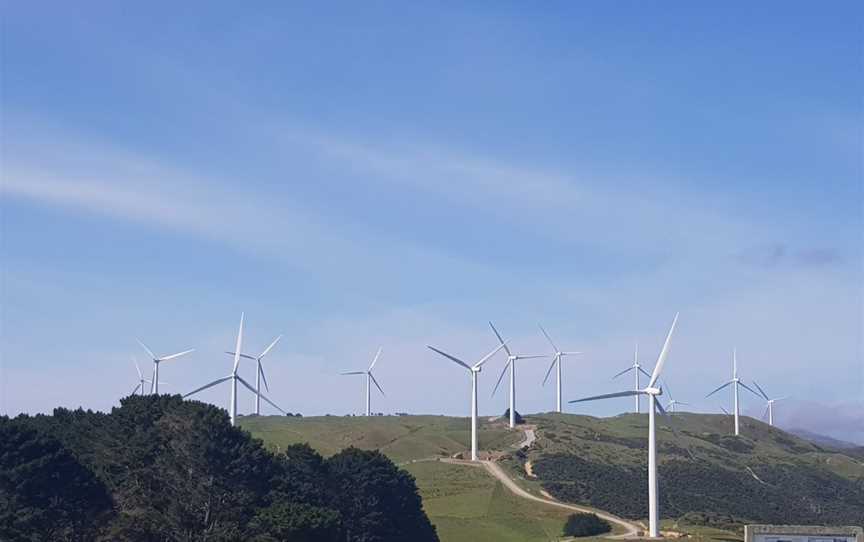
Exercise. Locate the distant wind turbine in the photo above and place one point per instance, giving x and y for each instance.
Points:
(769, 407)
(474, 370)
(370, 379)
(141, 379)
(154, 384)
(234, 378)
(735, 382)
(670, 406)
(511, 363)
(653, 404)
(259, 375)
(556, 362)
(636, 368)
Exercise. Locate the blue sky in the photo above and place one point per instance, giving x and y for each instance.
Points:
(373, 173)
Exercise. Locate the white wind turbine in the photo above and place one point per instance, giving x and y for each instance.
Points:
(670, 406)
(154, 384)
(474, 370)
(637, 369)
(653, 404)
(370, 378)
(735, 382)
(511, 363)
(259, 375)
(141, 379)
(769, 407)
(234, 378)
(556, 362)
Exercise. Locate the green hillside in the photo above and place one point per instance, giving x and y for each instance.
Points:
(765, 475)
(401, 438)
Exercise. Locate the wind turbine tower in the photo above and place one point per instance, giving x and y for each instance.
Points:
(154, 384)
(474, 370)
(557, 355)
(370, 379)
(259, 375)
(636, 368)
(511, 364)
(653, 394)
(735, 382)
(769, 406)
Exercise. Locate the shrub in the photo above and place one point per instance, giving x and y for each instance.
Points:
(585, 525)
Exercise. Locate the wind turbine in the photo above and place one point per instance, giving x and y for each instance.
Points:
(670, 406)
(511, 363)
(637, 369)
(769, 407)
(259, 375)
(141, 379)
(154, 384)
(474, 370)
(234, 378)
(556, 362)
(370, 378)
(653, 404)
(735, 382)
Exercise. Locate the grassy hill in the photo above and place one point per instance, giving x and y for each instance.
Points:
(765, 475)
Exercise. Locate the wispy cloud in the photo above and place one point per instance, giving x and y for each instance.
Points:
(780, 255)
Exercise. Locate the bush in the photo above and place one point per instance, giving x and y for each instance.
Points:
(585, 525)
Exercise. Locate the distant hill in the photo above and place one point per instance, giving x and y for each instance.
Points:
(824, 441)
(765, 475)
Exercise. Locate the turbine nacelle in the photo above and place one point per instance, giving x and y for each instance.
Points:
(653, 391)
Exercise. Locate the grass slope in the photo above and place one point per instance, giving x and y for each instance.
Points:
(602, 462)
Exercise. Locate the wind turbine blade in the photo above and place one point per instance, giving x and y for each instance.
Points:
(548, 338)
(353, 373)
(250, 388)
(149, 352)
(718, 389)
(448, 356)
(663, 354)
(782, 398)
(625, 371)
(685, 404)
(572, 353)
(245, 356)
(210, 385)
(549, 371)
(748, 388)
(375, 359)
(177, 355)
(264, 378)
(644, 372)
(506, 348)
(376, 384)
(765, 395)
(501, 377)
(532, 356)
(608, 396)
(724, 410)
(668, 390)
(239, 347)
(490, 354)
(765, 414)
(264, 353)
(137, 368)
(136, 389)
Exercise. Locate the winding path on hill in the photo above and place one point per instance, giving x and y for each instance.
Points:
(494, 469)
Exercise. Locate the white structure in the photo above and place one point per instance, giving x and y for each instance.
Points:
(802, 533)
(234, 378)
(673, 403)
(556, 362)
(474, 370)
(259, 375)
(769, 407)
(370, 378)
(735, 382)
(636, 368)
(511, 364)
(653, 404)
(141, 379)
(154, 384)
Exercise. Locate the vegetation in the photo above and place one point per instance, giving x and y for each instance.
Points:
(766, 475)
(160, 468)
(581, 524)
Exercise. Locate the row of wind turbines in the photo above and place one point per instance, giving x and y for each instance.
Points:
(653, 390)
